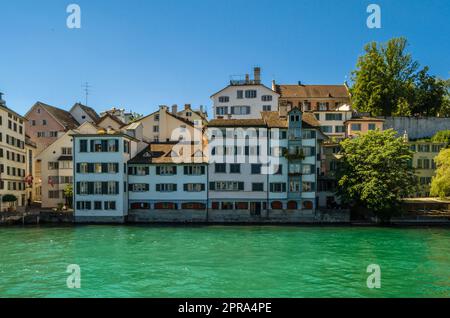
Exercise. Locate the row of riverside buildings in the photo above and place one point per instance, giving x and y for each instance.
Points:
(264, 149)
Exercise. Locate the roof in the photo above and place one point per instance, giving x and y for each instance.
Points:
(112, 117)
(312, 91)
(88, 110)
(237, 123)
(62, 116)
(162, 153)
(364, 118)
(268, 119)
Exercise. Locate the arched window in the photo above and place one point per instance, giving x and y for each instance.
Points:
(277, 205)
(308, 205)
(292, 205)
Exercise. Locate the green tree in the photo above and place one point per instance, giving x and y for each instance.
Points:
(440, 184)
(375, 172)
(9, 198)
(442, 136)
(387, 81)
(68, 194)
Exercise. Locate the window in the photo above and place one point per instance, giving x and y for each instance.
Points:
(267, 108)
(83, 145)
(66, 151)
(194, 170)
(266, 98)
(257, 187)
(166, 187)
(424, 148)
(33, 122)
(157, 117)
(224, 99)
(155, 129)
(226, 186)
(327, 129)
(250, 93)
(308, 134)
(166, 170)
(278, 169)
(110, 205)
(322, 106)
(53, 165)
(372, 127)
(139, 187)
(240, 94)
(295, 168)
(278, 187)
(53, 194)
(44, 122)
(240, 110)
(308, 186)
(307, 169)
(97, 205)
(113, 187)
(331, 116)
(194, 187)
(235, 168)
(222, 110)
(436, 148)
(65, 165)
(294, 186)
(356, 127)
(339, 129)
(256, 168)
(126, 146)
(138, 171)
(83, 205)
(220, 168)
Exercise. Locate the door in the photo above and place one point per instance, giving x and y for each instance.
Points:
(255, 208)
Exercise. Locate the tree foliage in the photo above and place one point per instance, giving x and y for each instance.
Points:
(388, 82)
(440, 184)
(374, 172)
(442, 136)
(9, 198)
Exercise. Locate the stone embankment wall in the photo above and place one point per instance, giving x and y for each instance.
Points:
(417, 127)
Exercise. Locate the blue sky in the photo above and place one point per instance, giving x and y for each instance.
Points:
(139, 54)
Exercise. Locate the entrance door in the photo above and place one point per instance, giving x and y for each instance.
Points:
(255, 208)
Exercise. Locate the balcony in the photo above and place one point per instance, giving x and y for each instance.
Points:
(297, 155)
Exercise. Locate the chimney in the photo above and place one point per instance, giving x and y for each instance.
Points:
(163, 107)
(274, 86)
(201, 108)
(187, 106)
(247, 78)
(174, 109)
(257, 74)
(2, 102)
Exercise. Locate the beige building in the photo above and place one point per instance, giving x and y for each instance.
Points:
(424, 152)
(163, 126)
(361, 125)
(56, 163)
(30, 170)
(12, 157)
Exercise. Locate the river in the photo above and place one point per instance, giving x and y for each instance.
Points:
(224, 261)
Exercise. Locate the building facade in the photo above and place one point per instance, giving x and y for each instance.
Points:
(12, 158)
(244, 99)
(100, 175)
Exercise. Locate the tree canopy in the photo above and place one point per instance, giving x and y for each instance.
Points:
(388, 82)
(375, 172)
(442, 136)
(440, 184)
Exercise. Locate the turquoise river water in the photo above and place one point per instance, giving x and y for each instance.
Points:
(224, 261)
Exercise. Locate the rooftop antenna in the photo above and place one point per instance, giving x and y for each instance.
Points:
(86, 88)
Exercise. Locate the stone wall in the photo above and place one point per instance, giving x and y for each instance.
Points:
(417, 127)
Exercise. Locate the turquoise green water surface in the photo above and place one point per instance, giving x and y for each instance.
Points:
(219, 261)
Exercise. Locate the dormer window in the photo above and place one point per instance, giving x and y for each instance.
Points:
(224, 99)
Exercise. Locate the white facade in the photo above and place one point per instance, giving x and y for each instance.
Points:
(244, 99)
(83, 114)
(101, 189)
(332, 122)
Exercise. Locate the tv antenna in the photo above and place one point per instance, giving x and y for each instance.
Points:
(87, 90)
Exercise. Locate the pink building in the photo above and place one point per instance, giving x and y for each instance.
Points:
(362, 125)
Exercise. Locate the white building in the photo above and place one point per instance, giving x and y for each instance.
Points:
(100, 179)
(162, 178)
(244, 99)
(83, 113)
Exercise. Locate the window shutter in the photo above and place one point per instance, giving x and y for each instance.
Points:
(147, 171)
(78, 168)
(130, 170)
(78, 188)
(104, 167)
(284, 187)
(104, 188)
(158, 188)
(185, 170)
(203, 186)
(203, 169)
(116, 166)
(212, 186)
(241, 186)
(116, 142)
(130, 187)
(158, 170)
(174, 169)
(147, 187)
(185, 186)
(92, 145)
(90, 188)
(174, 187)
(117, 187)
